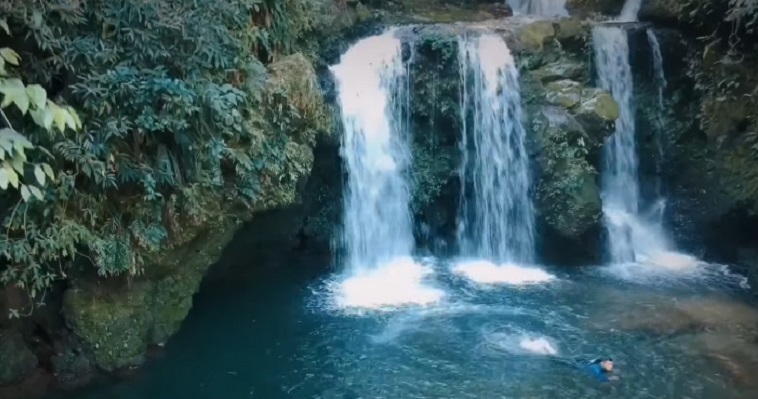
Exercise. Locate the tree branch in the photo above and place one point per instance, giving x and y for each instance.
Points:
(7, 122)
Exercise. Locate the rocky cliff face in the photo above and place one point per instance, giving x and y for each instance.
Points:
(91, 323)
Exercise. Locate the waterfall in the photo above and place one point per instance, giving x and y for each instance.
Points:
(660, 77)
(660, 82)
(496, 216)
(632, 235)
(620, 187)
(545, 8)
(630, 11)
(373, 87)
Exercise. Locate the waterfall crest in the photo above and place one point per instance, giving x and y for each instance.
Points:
(544, 8)
(496, 215)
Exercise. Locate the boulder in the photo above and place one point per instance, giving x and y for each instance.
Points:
(17, 360)
(568, 195)
(563, 69)
(117, 320)
(598, 111)
(535, 35)
(565, 93)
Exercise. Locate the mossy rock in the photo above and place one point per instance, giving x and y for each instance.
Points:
(117, 320)
(570, 30)
(16, 360)
(598, 111)
(114, 326)
(721, 116)
(564, 93)
(535, 35)
(563, 69)
(568, 195)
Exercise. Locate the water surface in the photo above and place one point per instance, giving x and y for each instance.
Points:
(277, 334)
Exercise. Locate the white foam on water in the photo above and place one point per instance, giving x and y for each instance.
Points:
(539, 346)
(399, 282)
(517, 341)
(486, 272)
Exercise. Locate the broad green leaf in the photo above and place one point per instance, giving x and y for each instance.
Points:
(2, 153)
(4, 26)
(4, 180)
(59, 116)
(14, 92)
(40, 175)
(3, 72)
(75, 116)
(70, 121)
(9, 55)
(48, 171)
(37, 96)
(13, 177)
(37, 193)
(18, 164)
(43, 117)
(25, 194)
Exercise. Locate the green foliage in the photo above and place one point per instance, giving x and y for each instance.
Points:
(179, 127)
(724, 74)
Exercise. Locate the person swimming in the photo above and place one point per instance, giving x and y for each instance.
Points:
(601, 369)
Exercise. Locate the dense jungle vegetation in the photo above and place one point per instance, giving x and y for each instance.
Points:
(125, 122)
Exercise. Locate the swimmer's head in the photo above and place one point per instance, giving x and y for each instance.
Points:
(606, 363)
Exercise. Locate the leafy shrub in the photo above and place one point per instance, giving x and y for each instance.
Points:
(178, 126)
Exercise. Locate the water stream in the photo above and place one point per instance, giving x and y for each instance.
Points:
(660, 83)
(544, 8)
(496, 216)
(372, 81)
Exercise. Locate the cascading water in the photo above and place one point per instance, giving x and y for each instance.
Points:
(496, 220)
(660, 82)
(619, 178)
(633, 236)
(545, 8)
(377, 227)
(660, 76)
(630, 11)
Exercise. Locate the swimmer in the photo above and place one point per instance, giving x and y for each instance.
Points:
(602, 369)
